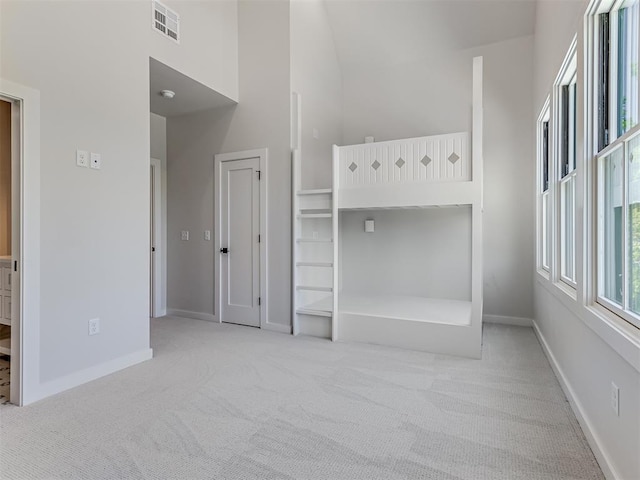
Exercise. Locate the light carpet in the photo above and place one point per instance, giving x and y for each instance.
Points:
(230, 402)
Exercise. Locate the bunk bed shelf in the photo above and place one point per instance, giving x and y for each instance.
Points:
(319, 191)
(321, 308)
(315, 215)
(314, 240)
(312, 288)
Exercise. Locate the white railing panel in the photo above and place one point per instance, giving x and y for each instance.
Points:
(439, 158)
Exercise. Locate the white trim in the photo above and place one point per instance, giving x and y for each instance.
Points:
(505, 320)
(544, 116)
(175, 312)
(92, 373)
(28, 324)
(596, 444)
(159, 294)
(262, 154)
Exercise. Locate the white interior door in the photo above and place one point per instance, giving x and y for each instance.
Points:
(239, 242)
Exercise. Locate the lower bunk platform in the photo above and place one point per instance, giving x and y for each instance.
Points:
(417, 323)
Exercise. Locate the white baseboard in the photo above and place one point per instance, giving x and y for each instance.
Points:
(277, 327)
(89, 374)
(594, 442)
(502, 320)
(173, 312)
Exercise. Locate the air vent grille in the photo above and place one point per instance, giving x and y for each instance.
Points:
(165, 21)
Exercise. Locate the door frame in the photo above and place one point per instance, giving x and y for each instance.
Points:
(159, 308)
(219, 159)
(25, 322)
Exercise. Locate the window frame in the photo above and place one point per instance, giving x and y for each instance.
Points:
(544, 156)
(603, 125)
(621, 310)
(565, 172)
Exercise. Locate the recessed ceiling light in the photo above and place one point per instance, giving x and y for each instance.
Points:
(167, 93)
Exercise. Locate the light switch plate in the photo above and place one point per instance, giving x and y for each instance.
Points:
(82, 158)
(184, 235)
(207, 235)
(96, 161)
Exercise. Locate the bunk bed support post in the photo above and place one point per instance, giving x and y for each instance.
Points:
(296, 180)
(335, 317)
(478, 204)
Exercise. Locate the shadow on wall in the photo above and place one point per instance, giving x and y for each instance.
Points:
(192, 142)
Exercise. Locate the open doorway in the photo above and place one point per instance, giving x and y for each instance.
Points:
(10, 115)
(5, 249)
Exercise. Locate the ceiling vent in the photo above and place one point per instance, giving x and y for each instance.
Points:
(165, 21)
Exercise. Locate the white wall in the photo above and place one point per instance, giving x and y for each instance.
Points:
(261, 119)
(434, 96)
(209, 32)
(94, 86)
(192, 142)
(316, 76)
(588, 352)
(158, 137)
(423, 253)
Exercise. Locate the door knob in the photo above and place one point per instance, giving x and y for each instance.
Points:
(224, 250)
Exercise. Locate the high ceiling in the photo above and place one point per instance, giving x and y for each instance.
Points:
(191, 96)
(370, 33)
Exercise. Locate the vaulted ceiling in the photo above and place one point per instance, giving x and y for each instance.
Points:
(371, 33)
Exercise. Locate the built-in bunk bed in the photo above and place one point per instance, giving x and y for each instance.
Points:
(373, 281)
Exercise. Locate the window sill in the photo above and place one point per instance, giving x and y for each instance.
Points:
(616, 332)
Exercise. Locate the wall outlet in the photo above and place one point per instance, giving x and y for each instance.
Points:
(184, 235)
(82, 158)
(207, 235)
(96, 161)
(94, 326)
(615, 399)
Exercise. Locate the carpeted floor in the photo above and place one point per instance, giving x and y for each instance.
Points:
(5, 374)
(229, 402)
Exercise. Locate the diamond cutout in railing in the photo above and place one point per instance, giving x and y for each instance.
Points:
(453, 158)
(426, 160)
(353, 166)
(400, 163)
(376, 165)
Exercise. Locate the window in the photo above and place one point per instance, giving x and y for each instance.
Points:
(544, 150)
(618, 99)
(618, 159)
(567, 172)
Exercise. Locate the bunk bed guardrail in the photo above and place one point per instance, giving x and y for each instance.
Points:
(437, 158)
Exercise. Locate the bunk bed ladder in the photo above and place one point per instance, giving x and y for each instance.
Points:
(312, 263)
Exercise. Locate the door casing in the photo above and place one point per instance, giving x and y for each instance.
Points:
(262, 154)
(25, 322)
(157, 294)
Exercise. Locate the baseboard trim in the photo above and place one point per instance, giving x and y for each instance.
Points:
(173, 312)
(87, 375)
(277, 327)
(592, 438)
(502, 320)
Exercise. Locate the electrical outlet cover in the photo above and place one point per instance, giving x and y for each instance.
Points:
(82, 158)
(94, 326)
